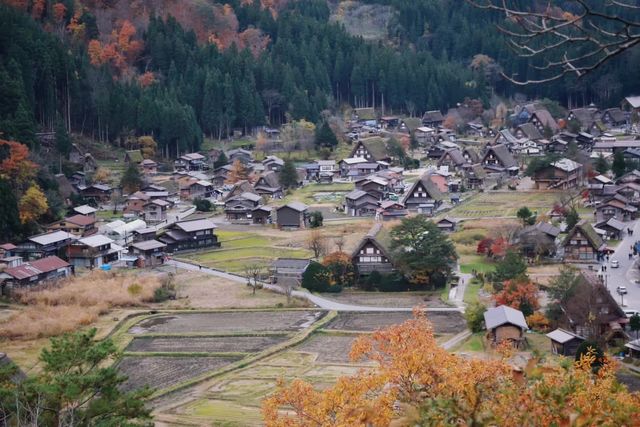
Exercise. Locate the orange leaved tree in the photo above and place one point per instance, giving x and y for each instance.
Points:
(416, 382)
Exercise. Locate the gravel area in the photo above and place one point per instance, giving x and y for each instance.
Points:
(163, 372)
(204, 344)
(228, 322)
(443, 322)
(329, 348)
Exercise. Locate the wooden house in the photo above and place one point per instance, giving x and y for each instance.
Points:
(155, 210)
(190, 234)
(543, 120)
(614, 117)
(562, 174)
(564, 343)
(528, 131)
(372, 253)
(53, 243)
(376, 186)
(360, 203)
(612, 228)
(592, 312)
(433, 119)
(149, 253)
(498, 159)
(269, 185)
(391, 210)
(135, 203)
(474, 177)
(273, 163)
(78, 225)
(582, 244)
(133, 156)
(93, 252)
(245, 156)
(148, 167)
(292, 216)
(617, 207)
(288, 269)
(261, 214)
(505, 324)
(448, 225)
(191, 162)
(36, 272)
(372, 150)
(240, 208)
(85, 210)
(197, 189)
(423, 196)
(100, 193)
(452, 159)
(537, 240)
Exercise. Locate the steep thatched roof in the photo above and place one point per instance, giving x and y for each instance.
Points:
(588, 232)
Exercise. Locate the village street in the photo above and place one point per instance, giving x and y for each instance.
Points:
(627, 274)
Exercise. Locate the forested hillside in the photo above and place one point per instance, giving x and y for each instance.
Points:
(112, 69)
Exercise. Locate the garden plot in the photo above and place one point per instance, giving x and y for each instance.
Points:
(443, 322)
(388, 299)
(203, 344)
(231, 322)
(162, 372)
(329, 348)
(504, 204)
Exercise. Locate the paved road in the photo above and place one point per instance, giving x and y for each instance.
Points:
(627, 273)
(321, 302)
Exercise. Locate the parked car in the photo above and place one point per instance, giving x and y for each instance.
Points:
(614, 263)
(622, 290)
(631, 312)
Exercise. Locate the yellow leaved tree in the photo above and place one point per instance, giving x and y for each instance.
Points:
(33, 204)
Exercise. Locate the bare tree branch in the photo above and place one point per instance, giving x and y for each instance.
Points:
(566, 43)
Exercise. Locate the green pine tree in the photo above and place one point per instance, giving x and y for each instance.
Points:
(288, 175)
(325, 137)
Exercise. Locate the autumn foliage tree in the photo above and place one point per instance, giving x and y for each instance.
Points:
(121, 50)
(237, 173)
(521, 294)
(15, 165)
(416, 382)
(32, 205)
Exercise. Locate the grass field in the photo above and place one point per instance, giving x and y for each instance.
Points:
(475, 343)
(504, 204)
(324, 193)
(479, 263)
(471, 292)
(242, 248)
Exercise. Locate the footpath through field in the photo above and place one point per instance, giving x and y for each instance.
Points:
(321, 302)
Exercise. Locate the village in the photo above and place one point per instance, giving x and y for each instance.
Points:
(284, 244)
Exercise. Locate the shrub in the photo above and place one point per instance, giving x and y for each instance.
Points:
(393, 282)
(316, 219)
(134, 289)
(317, 278)
(538, 322)
(587, 346)
(474, 315)
(203, 205)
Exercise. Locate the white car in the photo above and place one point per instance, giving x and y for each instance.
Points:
(622, 290)
(614, 263)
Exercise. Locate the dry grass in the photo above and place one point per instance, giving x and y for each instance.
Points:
(76, 302)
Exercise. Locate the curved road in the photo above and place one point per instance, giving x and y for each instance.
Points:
(321, 302)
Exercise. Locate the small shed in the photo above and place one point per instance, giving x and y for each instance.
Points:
(292, 215)
(289, 268)
(504, 323)
(447, 224)
(634, 348)
(564, 343)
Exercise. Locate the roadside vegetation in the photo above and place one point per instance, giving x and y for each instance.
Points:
(78, 302)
